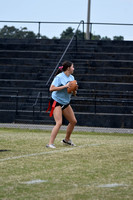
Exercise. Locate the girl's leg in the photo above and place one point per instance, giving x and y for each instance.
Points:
(70, 116)
(58, 119)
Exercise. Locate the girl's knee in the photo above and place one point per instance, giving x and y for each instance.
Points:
(74, 122)
(59, 124)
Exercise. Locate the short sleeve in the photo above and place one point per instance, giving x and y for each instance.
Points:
(56, 82)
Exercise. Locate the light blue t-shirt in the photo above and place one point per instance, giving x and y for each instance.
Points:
(62, 96)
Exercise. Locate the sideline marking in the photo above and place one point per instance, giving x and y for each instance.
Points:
(112, 185)
(48, 152)
(35, 181)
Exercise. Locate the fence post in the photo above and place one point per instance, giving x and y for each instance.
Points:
(90, 31)
(83, 31)
(39, 27)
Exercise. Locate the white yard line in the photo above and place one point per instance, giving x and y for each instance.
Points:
(113, 185)
(48, 152)
(35, 181)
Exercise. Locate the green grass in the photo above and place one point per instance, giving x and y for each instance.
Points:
(77, 173)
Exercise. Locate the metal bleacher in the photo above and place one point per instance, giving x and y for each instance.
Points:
(103, 69)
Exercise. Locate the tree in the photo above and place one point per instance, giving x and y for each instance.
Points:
(55, 38)
(118, 38)
(12, 32)
(43, 37)
(80, 35)
(105, 38)
(95, 37)
(23, 33)
(67, 34)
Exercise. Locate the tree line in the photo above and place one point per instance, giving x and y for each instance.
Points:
(23, 33)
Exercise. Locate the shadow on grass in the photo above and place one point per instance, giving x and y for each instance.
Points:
(3, 150)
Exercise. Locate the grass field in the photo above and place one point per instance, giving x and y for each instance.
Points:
(100, 167)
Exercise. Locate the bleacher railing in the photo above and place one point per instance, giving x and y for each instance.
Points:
(41, 24)
(67, 47)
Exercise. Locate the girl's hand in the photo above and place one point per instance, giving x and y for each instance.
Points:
(77, 87)
(75, 92)
(68, 85)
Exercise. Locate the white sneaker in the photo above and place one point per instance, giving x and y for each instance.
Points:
(50, 146)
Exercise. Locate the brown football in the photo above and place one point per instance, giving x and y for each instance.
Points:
(73, 87)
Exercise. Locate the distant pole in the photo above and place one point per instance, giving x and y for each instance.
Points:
(88, 20)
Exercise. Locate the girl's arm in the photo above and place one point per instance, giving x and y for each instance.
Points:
(54, 88)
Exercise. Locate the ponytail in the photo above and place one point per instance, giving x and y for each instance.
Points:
(64, 67)
(60, 69)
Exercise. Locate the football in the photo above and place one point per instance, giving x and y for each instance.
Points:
(73, 87)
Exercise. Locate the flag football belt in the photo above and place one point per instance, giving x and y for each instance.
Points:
(54, 104)
(52, 108)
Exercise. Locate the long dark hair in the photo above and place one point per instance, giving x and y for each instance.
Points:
(64, 67)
